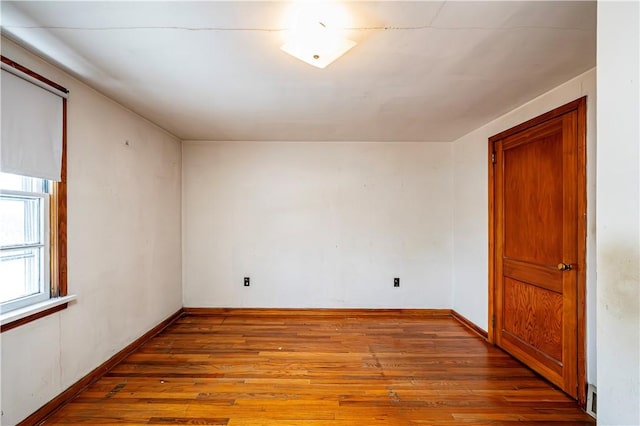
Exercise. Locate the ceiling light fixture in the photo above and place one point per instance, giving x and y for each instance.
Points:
(315, 36)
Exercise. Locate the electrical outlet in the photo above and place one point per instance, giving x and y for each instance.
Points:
(247, 281)
(592, 401)
(396, 282)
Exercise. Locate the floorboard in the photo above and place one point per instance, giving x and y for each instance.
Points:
(280, 369)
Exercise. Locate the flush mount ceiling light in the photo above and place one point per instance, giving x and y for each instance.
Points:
(319, 49)
(315, 36)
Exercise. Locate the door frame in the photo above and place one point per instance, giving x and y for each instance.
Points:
(579, 105)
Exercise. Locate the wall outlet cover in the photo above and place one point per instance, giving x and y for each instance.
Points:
(592, 400)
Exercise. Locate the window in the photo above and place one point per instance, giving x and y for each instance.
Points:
(24, 241)
(33, 202)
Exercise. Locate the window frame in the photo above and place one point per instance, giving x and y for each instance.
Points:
(42, 245)
(57, 221)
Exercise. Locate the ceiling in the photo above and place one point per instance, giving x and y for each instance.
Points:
(421, 71)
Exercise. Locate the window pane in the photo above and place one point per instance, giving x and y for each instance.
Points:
(24, 258)
(22, 183)
(21, 220)
(21, 273)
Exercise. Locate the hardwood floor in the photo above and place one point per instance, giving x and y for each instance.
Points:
(244, 368)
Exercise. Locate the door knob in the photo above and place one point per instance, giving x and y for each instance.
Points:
(564, 267)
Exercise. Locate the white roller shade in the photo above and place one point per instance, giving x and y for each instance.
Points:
(31, 124)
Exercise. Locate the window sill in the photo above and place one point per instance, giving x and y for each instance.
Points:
(18, 317)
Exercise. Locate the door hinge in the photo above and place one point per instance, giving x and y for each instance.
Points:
(493, 321)
(493, 158)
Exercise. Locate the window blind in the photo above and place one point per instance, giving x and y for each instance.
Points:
(31, 143)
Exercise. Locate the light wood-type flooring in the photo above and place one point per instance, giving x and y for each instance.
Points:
(289, 368)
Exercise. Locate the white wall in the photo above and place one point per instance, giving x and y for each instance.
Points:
(123, 247)
(470, 282)
(325, 225)
(618, 213)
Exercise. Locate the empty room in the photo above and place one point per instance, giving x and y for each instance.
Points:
(320, 213)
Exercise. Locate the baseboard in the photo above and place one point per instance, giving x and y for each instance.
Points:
(431, 313)
(467, 323)
(52, 406)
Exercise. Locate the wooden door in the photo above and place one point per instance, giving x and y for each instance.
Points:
(538, 243)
